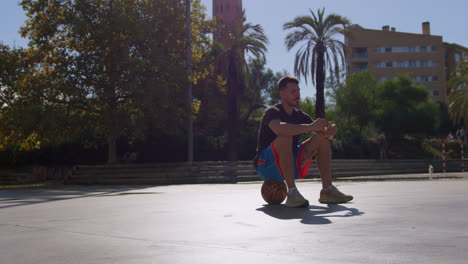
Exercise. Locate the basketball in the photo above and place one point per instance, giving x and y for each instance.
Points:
(274, 192)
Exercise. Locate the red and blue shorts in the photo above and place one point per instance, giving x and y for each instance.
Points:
(269, 167)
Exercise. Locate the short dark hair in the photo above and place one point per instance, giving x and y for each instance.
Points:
(283, 82)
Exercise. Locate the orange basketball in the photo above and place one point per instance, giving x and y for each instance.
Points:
(274, 192)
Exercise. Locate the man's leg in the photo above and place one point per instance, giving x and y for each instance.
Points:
(319, 146)
(283, 147)
(283, 150)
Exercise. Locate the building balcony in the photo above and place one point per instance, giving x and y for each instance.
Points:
(359, 67)
(359, 53)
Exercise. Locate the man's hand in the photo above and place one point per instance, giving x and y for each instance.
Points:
(318, 126)
(331, 130)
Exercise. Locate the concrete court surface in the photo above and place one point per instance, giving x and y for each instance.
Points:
(388, 222)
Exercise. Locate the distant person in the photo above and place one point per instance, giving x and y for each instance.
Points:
(281, 157)
(461, 135)
(450, 137)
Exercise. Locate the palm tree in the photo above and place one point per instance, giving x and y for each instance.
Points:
(242, 38)
(458, 98)
(319, 51)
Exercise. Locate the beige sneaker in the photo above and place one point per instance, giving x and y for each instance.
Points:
(334, 196)
(296, 200)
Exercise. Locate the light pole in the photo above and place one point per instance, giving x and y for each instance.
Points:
(188, 26)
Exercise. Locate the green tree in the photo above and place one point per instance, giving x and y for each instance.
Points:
(355, 101)
(231, 64)
(117, 63)
(458, 97)
(262, 87)
(307, 105)
(12, 138)
(254, 95)
(404, 108)
(319, 50)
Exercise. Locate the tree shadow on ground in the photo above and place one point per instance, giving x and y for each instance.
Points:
(22, 197)
(312, 215)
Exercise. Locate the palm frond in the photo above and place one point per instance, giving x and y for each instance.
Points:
(318, 32)
(301, 62)
(314, 29)
(313, 63)
(458, 106)
(458, 97)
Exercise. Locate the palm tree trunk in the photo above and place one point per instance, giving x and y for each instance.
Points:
(112, 135)
(320, 84)
(232, 126)
(112, 149)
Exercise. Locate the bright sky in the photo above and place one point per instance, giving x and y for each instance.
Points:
(447, 18)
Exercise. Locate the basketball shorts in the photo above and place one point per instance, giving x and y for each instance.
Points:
(269, 167)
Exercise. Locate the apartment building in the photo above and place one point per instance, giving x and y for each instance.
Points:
(388, 53)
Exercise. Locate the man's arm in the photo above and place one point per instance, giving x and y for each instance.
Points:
(285, 129)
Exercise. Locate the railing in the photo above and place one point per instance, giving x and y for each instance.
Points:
(214, 172)
(231, 172)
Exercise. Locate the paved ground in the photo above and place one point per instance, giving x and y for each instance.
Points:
(388, 222)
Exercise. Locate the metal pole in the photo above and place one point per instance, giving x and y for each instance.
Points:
(444, 160)
(188, 22)
(462, 150)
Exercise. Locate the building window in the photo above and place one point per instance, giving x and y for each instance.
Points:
(399, 49)
(402, 64)
(360, 53)
(402, 49)
(381, 79)
(425, 78)
(388, 64)
(359, 67)
(435, 92)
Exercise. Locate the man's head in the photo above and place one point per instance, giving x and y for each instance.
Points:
(289, 90)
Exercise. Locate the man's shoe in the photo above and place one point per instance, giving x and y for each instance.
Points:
(296, 200)
(334, 196)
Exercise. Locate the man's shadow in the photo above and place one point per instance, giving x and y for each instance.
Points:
(311, 215)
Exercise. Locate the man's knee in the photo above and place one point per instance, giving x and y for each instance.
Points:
(323, 140)
(283, 143)
(316, 143)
